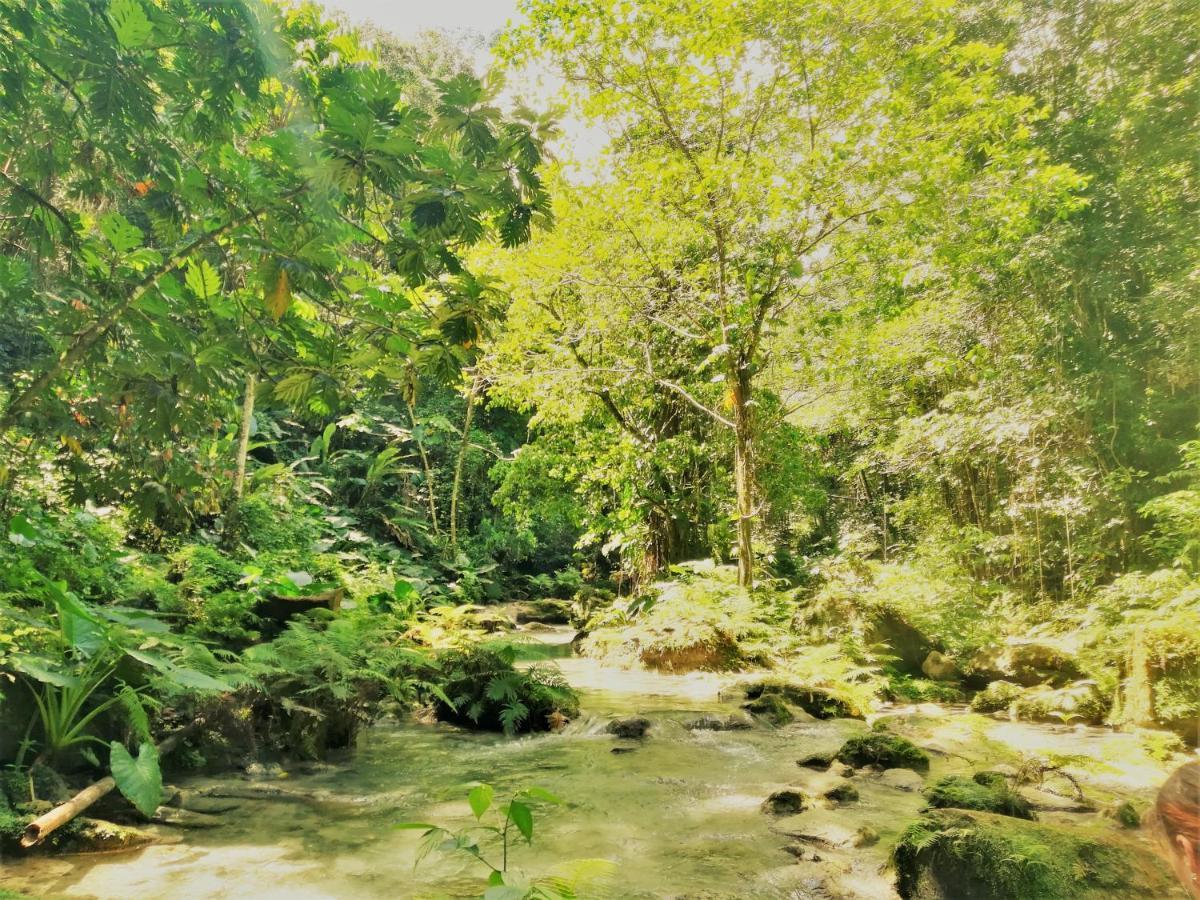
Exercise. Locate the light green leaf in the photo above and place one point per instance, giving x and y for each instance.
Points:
(202, 279)
(480, 798)
(119, 232)
(140, 780)
(129, 20)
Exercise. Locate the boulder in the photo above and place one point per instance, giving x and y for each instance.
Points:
(958, 855)
(818, 761)
(1081, 701)
(1024, 662)
(547, 612)
(986, 792)
(940, 667)
(629, 729)
(786, 802)
(888, 751)
(844, 792)
(907, 644)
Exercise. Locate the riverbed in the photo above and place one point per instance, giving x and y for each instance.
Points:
(677, 814)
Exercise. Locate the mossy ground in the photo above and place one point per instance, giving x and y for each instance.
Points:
(982, 793)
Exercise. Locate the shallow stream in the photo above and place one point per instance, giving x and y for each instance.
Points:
(678, 814)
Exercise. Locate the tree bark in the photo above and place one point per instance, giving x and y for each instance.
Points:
(462, 457)
(743, 476)
(41, 828)
(425, 466)
(243, 445)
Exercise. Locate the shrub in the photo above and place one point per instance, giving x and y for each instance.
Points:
(484, 690)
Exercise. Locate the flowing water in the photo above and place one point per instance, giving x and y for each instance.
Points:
(677, 814)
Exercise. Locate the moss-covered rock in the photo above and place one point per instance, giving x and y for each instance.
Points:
(1082, 701)
(771, 707)
(818, 761)
(843, 792)
(957, 855)
(998, 696)
(547, 612)
(786, 802)
(888, 751)
(984, 793)
(818, 702)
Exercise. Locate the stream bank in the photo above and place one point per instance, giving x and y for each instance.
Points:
(679, 811)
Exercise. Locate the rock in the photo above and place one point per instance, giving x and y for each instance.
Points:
(257, 771)
(818, 702)
(99, 836)
(771, 707)
(940, 667)
(987, 792)
(1046, 801)
(902, 779)
(629, 729)
(184, 818)
(619, 750)
(1024, 662)
(1126, 813)
(842, 793)
(786, 802)
(819, 761)
(866, 836)
(956, 855)
(882, 749)
(732, 722)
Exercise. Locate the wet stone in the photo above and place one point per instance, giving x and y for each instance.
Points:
(629, 729)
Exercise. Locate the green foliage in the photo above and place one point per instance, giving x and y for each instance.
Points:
(480, 687)
(998, 696)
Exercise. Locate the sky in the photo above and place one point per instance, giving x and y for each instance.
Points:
(581, 142)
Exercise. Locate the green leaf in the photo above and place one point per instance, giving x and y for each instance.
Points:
(20, 532)
(480, 798)
(130, 24)
(198, 680)
(522, 817)
(202, 279)
(39, 670)
(496, 879)
(118, 231)
(140, 780)
(414, 826)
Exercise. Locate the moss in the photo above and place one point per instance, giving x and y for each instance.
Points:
(997, 697)
(1079, 702)
(844, 792)
(888, 751)
(981, 856)
(986, 794)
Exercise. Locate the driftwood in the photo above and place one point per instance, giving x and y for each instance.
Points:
(40, 828)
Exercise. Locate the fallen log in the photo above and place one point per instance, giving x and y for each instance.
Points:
(41, 828)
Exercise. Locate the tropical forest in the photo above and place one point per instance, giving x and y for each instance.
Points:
(686, 449)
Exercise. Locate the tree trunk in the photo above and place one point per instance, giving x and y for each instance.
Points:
(456, 489)
(743, 476)
(425, 466)
(243, 444)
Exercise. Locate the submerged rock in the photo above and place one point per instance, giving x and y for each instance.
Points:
(629, 729)
(888, 751)
(956, 855)
(732, 722)
(983, 792)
